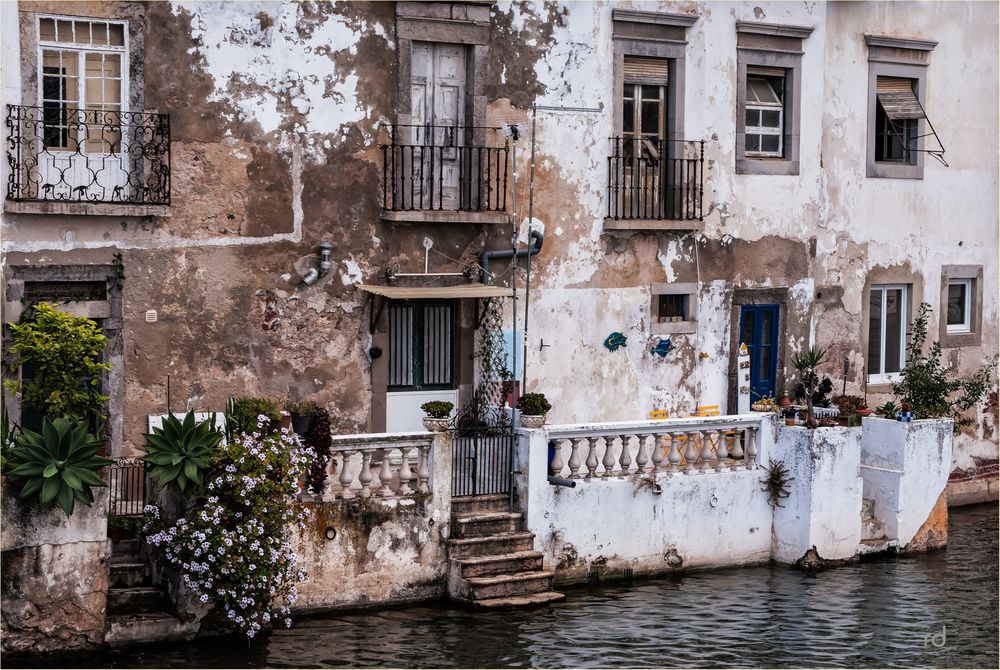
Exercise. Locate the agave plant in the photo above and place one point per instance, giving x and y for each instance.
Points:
(179, 451)
(59, 464)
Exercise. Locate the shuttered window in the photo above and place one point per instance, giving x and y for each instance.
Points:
(896, 116)
(897, 98)
(640, 70)
(765, 112)
(421, 345)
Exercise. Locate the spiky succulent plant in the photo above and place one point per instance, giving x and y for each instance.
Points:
(179, 451)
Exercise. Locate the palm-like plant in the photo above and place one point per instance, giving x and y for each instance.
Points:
(179, 451)
(806, 364)
(59, 464)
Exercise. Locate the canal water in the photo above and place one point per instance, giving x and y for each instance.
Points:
(934, 610)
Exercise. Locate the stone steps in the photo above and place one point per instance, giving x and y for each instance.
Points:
(492, 558)
(136, 600)
(132, 595)
(480, 525)
(506, 586)
(123, 574)
(143, 628)
(872, 528)
(501, 543)
(486, 566)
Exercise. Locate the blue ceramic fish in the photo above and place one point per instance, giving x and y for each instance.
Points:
(663, 347)
(614, 341)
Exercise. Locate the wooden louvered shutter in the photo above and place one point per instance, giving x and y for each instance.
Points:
(897, 98)
(642, 70)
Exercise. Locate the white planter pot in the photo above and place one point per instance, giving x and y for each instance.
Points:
(435, 425)
(532, 420)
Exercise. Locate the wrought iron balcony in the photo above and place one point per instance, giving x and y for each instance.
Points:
(656, 180)
(452, 168)
(59, 154)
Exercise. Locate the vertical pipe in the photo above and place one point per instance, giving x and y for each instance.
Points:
(392, 141)
(527, 282)
(506, 163)
(701, 181)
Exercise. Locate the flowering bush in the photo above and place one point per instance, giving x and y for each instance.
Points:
(233, 547)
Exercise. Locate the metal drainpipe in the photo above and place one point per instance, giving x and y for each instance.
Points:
(484, 258)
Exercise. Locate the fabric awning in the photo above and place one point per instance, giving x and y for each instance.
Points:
(897, 99)
(418, 292)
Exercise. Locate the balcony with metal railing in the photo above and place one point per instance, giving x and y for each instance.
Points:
(655, 184)
(86, 161)
(445, 173)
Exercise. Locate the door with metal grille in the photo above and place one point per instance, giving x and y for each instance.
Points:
(482, 452)
(421, 360)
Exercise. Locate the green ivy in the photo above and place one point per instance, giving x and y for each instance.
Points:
(65, 351)
(930, 387)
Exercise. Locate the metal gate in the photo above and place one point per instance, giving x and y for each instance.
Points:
(127, 484)
(482, 452)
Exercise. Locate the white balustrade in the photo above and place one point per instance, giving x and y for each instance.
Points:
(384, 465)
(690, 446)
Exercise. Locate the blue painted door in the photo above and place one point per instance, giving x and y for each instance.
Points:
(759, 331)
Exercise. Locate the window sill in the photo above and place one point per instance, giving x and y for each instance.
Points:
(673, 327)
(652, 224)
(84, 208)
(884, 170)
(767, 166)
(879, 387)
(952, 340)
(445, 216)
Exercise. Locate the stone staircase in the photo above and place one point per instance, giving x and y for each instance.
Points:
(492, 560)
(138, 609)
(873, 538)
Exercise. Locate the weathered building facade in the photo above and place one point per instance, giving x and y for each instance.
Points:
(709, 173)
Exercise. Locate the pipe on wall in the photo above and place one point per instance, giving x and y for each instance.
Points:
(484, 258)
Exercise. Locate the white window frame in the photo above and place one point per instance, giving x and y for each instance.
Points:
(778, 130)
(891, 377)
(965, 326)
(82, 50)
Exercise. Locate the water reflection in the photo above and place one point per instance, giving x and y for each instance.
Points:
(878, 613)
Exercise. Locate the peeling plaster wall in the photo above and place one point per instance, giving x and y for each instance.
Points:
(275, 115)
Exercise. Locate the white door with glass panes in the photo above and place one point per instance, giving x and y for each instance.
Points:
(81, 95)
(438, 115)
(887, 320)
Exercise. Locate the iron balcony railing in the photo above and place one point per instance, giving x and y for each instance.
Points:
(656, 179)
(433, 167)
(62, 154)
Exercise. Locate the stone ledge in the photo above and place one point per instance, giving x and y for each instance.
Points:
(84, 208)
(445, 216)
(972, 491)
(652, 225)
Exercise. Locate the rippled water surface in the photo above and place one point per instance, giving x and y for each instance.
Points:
(935, 610)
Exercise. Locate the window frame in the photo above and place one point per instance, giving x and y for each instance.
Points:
(972, 275)
(761, 130)
(906, 59)
(689, 291)
(418, 346)
(890, 377)
(966, 325)
(770, 46)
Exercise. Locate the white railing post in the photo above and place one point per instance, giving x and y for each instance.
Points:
(423, 471)
(405, 474)
(574, 458)
(345, 475)
(751, 449)
(657, 455)
(556, 466)
(640, 458)
(365, 476)
(609, 455)
(706, 450)
(720, 450)
(625, 458)
(690, 452)
(592, 458)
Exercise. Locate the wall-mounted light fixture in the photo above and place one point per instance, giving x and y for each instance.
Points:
(324, 265)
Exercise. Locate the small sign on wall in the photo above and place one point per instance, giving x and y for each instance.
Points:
(743, 379)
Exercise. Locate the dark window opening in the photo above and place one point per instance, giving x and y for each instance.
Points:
(672, 308)
(421, 345)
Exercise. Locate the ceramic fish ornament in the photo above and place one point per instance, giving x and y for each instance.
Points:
(663, 347)
(614, 341)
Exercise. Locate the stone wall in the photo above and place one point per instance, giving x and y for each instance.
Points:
(55, 575)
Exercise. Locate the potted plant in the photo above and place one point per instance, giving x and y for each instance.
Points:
(849, 406)
(887, 410)
(789, 414)
(809, 385)
(303, 415)
(437, 412)
(533, 407)
(765, 404)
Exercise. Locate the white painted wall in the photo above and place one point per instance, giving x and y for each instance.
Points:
(403, 413)
(905, 468)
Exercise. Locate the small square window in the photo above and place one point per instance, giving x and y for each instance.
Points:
(959, 306)
(673, 308)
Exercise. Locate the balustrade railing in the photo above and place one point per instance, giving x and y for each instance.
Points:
(433, 167)
(676, 446)
(382, 465)
(656, 179)
(61, 154)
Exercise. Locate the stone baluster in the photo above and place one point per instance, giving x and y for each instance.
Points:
(574, 458)
(345, 475)
(592, 457)
(640, 458)
(608, 461)
(706, 450)
(720, 451)
(691, 452)
(423, 470)
(385, 476)
(737, 451)
(625, 458)
(751, 448)
(556, 466)
(365, 476)
(657, 455)
(673, 455)
(405, 473)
